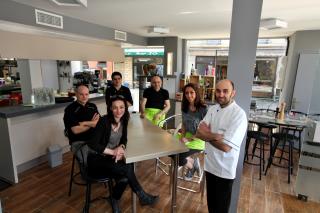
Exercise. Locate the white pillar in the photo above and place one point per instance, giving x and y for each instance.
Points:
(246, 16)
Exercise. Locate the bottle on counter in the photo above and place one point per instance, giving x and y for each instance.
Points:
(282, 111)
(192, 70)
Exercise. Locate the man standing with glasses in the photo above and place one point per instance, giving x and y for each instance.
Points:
(118, 89)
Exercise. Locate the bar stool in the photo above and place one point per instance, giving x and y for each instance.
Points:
(260, 139)
(287, 140)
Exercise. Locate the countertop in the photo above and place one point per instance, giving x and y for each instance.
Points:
(14, 111)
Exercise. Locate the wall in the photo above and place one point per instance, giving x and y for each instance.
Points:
(26, 46)
(315, 98)
(15, 12)
(49, 72)
(299, 42)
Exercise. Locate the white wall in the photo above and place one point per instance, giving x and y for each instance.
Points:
(49, 72)
(299, 42)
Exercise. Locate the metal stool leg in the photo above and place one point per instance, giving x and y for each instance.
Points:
(71, 175)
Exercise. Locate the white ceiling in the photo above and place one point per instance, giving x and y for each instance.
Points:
(209, 18)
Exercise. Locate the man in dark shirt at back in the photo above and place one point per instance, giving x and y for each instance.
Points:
(80, 117)
(155, 103)
(118, 89)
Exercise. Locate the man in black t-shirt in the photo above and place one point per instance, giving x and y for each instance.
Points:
(117, 89)
(155, 103)
(80, 117)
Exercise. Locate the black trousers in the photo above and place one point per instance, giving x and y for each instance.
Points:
(218, 193)
(123, 173)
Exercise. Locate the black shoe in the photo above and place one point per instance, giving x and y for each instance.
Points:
(115, 205)
(147, 199)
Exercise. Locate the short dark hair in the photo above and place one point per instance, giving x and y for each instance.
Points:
(232, 84)
(116, 73)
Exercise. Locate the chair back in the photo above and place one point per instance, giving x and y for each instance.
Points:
(164, 123)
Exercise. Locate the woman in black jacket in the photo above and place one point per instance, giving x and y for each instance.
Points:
(109, 141)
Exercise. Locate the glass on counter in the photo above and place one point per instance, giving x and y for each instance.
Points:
(43, 96)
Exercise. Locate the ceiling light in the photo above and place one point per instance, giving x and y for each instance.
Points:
(158, 29)
(83, 3)
(272, 23)
(186, 12)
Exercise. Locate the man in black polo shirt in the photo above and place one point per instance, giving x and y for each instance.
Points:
(117, 89)
(80, 117)
(155, 103)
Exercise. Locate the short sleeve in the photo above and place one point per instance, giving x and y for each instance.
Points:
(146, 93)
(233, 136)
(165, 94)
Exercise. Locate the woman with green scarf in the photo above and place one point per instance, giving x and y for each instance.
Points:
(193, 111)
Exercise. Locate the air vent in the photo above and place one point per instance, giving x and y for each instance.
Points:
(119, 35)
(49, 19)
(83, 3)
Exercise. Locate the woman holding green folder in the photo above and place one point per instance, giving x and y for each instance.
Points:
(193, 111)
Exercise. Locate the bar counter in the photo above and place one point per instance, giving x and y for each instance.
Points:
(13, 111)
(27, 132)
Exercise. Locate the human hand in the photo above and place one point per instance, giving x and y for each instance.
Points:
(95, 119)
(204, 127)
(184, 140)
(157, 116)
(119, 153)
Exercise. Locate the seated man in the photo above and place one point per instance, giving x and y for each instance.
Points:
(118, 89)
(80, 117)
(155, 103)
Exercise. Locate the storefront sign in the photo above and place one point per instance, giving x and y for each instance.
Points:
(144, 52)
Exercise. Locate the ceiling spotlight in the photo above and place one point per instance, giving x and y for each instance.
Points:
(272, 23)
(160, 30)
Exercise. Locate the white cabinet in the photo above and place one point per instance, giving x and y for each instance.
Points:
(306, 85)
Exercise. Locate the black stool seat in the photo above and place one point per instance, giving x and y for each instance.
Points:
(282, 136)
(257, 135)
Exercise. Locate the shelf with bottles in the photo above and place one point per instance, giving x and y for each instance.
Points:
(205, 83)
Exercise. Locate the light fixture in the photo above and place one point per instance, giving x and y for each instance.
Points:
(158, 29)
(272, 23)
(170, 63)
(83, 3)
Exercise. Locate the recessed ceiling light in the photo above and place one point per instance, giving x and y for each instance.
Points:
(187, 12)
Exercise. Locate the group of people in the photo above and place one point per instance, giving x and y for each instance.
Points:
(218, 130)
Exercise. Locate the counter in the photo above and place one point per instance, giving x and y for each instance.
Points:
(27, 132)
(13, 111)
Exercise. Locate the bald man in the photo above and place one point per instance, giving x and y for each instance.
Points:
(155, 103)
(80, 117)
(223, 128)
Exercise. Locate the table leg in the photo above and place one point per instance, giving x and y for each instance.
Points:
(133, 195)
(174, 184)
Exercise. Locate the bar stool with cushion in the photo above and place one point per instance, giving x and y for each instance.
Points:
(81, 158)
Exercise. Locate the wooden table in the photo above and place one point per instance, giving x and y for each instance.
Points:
(147, 141)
